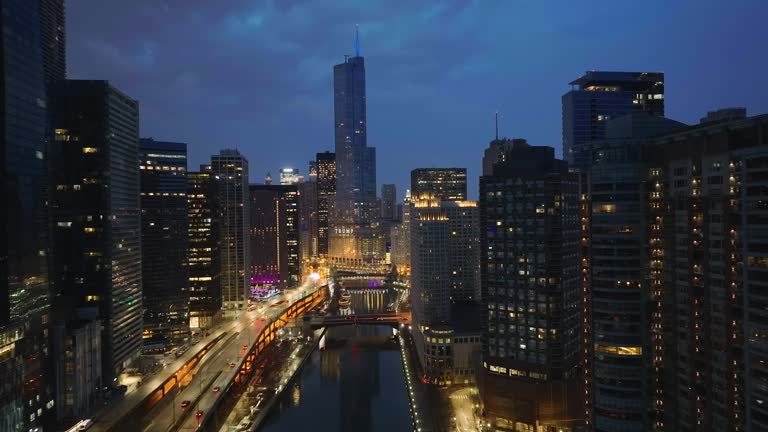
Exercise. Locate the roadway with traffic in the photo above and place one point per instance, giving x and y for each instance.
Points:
(214, 370)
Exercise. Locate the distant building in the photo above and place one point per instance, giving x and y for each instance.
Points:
(446, 184)
(290, 176)
(96, 215)
(312, 171)
(204, 249)
(388, 202)
(529, 230)
(164, 240)
(308, 232)
(401, 238)
(598, 96)
(274, 235)
(326, 192)
(231, 170)
(497, 152)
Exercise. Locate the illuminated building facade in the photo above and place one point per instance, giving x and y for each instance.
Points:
(446, 184)
(598, 96)
(445, 258)
(164, 240)
(352, 233)
(326, 193)
(307, 225)
(96, 215)
(712, 180)
(615, 269)
(204, 261)
(274, 235)
(290, 176)
(676, 328)
(231, 170)
(529, 233)
(401, 237)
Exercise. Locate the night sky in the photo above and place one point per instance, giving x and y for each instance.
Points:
(257, 75)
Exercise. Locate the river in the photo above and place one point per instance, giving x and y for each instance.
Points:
(355, 384)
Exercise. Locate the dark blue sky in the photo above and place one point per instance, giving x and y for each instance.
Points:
(256, 75)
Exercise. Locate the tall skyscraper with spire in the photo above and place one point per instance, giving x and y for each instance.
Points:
(354, 209)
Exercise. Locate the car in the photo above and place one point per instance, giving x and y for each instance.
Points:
(84, 424)
(232, 364)
(185, 403)
(216, 389)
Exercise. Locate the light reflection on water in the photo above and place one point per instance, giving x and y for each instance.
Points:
(355, 385)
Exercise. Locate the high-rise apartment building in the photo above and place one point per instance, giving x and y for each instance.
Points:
(326, 193)
(204, 260)
(445, 273)
(529, 230)
(274, 235)
(354, 209)
(446, 184)
(231, 170)
(25, 394)
(615, 276)
(674, 275)
(388, 202)
(598, 96)
(164, 240)
(96, 215)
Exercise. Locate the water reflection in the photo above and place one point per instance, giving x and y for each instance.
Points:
(355, 385)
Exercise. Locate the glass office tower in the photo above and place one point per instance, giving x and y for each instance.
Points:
(599, 96)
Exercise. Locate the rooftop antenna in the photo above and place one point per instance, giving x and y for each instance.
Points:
(357, 40)
(497, 125)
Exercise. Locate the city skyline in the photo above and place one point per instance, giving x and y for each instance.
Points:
(266, 68)
(611, 278)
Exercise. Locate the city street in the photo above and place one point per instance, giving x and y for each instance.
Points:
(241, 330)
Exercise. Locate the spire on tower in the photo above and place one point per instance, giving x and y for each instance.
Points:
(357, 40)
(497, 125)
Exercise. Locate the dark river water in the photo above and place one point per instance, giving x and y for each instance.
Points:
(356, 384)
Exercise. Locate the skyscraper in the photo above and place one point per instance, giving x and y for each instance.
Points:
(447, 184)
(204, 248)
(307, 221)
(677, 272)
(24, 246)
(497, 152)
(598, 96)
(530, 292)
(164, 240)
(53, 38)
(96, 216)
(615, 269)
(445, 259)
(326, 193)
(274, 235)
(354, 209)
(388, 202)
(231, 170)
